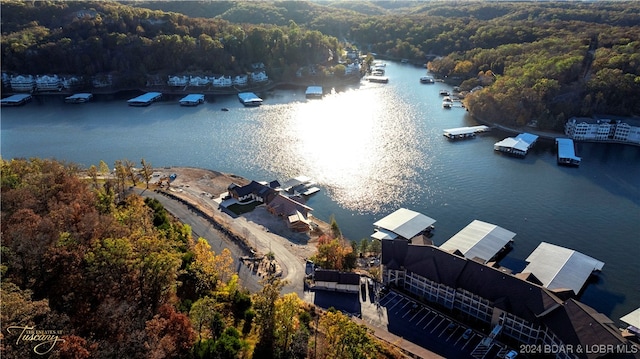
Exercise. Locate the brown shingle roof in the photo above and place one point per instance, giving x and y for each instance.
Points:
(573, 322)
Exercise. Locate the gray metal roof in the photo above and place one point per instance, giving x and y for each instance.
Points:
(405, 223)
(479, 239)
(561, 268)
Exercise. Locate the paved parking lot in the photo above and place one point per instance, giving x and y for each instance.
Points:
(428, 328)
(412, 321)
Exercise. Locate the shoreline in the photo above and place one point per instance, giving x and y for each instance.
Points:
(206, 90)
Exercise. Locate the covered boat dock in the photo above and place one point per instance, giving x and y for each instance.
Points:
(560, 268)
(567, 152)
(479, 240)
(193, 99)
(15, 100)
(145, 99)
(313, 92)
(518, 146)
(78, 98)
(403, 223)
(249, 99)
(464, 132)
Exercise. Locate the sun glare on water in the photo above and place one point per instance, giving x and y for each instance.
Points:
(361, 149)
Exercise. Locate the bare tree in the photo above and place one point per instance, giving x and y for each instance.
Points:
(146, 171)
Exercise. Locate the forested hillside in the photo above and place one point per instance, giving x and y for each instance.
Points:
(539, 62)
(111, 275)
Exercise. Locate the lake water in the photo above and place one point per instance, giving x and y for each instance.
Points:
(372, 148)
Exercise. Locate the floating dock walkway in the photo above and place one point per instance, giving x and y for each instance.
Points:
(464, 132)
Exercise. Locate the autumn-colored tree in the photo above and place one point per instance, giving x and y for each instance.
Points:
(287, 309)
(343, 338)
(168, 334)
(265, 307)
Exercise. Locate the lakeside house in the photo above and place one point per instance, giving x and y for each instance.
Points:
(603, 130)
(254, 191)
(295, 213)
(22, 83)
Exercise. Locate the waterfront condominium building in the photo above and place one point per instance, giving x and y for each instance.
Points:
(603, 130)
(519, 306)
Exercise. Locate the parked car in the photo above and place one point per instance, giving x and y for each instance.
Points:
(467, 334)
(512, 354)
(451, 326)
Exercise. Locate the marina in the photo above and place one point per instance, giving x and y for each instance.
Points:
(464, 132)
(567, 152)
(145, 99)
(16, 100)
(249, 99)
(389, 154)
(192, 100)
(78, 98)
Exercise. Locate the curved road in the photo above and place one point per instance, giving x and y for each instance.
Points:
(292, 266)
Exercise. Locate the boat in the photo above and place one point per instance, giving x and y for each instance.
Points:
(378, 79)
(447, 102)
(78, 98)
(192, 100)
(145, 99)
(445, 92)
(15, 100)
(427, 80)
(249, 99)
(224, 109)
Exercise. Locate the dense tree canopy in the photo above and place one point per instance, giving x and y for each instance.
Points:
(127, 280)
(539, 62)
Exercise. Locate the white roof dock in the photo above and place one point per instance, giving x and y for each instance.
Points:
(313, 92)
(145, 99)
(15, 100)
(404, 223)
(479, 240)
(517, 146)
(566, 151)
(249, 99)
(633, 320)
(561, 268)
(462, 132)
(79, 97)
(192, 99)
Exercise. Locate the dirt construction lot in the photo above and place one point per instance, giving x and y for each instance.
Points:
(201, 188)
